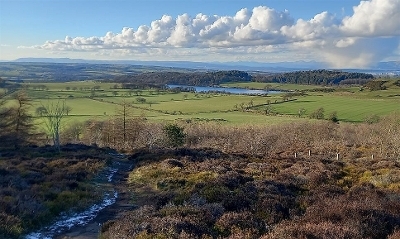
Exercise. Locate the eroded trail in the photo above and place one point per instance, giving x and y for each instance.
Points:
(115, 210)
(88, 224)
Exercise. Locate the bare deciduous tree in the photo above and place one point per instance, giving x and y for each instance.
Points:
(72, 133)
(53, 113)
(126, 125)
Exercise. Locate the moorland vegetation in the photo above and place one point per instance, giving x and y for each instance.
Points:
(324, 177)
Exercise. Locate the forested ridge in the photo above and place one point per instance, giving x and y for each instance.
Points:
(195, 78)
(314, 77)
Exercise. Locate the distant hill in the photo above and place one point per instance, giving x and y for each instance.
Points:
(240, 65)
(390, 66)
(66, 69)
(394, 65)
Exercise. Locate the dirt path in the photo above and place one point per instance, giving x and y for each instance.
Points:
(92, 229)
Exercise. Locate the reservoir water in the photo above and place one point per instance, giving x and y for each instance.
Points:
(230, 90)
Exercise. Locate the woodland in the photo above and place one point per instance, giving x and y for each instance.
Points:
(315, 77)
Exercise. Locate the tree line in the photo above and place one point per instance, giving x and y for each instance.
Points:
(315, 77)
(179, 78)
(9, 87)
(312, 77)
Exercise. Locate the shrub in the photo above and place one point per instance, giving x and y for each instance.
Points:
(395, 234)
(323, 230)
(10, 226)
(318, 114)
(376, 85)
(141, 100)
(214, 193)
(233, 222)
(175, 135)
(371, 119)
(333, 117)
(38, 186)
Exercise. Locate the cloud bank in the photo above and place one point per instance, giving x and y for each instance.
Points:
(369, 35)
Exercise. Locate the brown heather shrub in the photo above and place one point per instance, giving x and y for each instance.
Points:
(229, 196)
(394, 235)
(171, 163)
(238, 223)
(10, 226)
(36, 185)
(185, 235)
(275, 201)
(370, 211)
(232, 179)
(230, 173)
(170, 221)
(238, 233)
(321, 229)
(214, 193)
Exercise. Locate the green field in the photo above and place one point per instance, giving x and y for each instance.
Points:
(348, 108)
(351, 104)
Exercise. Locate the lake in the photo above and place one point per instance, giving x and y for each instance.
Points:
(238, 91)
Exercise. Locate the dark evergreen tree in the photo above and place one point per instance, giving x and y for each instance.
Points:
(16, 124)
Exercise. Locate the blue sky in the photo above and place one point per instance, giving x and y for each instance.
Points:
(338, 32)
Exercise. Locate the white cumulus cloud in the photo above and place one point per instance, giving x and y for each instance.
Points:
(359, 52)
(374, 18)
(368, 35)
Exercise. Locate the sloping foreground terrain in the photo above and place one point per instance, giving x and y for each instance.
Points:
(205, 193)
(38, 184)
(120, 203)
(201, 193)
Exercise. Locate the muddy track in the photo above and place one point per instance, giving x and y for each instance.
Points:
(122, 203)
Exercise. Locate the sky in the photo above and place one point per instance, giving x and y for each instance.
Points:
(339, 33)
